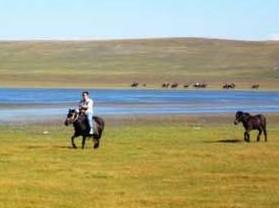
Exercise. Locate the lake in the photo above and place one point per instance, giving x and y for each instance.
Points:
(22, 104)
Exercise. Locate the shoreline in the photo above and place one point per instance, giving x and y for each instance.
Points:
(37, 106)
(208, 119)
(58, 87)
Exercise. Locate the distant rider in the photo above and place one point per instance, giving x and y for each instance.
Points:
(86, 106)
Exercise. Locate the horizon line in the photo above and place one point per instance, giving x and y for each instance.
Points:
(85, 39)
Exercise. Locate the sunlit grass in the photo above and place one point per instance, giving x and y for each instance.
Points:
(171, 165)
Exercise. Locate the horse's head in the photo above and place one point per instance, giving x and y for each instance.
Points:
(71, 117)
(240, 117)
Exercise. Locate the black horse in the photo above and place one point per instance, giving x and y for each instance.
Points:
(81, 127)
(250, 122)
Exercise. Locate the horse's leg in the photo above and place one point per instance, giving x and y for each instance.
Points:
(246, 136)
(83, 142)
(259, 134)
(265, 134)
(96, 143)
(73, 143)
(97, 137)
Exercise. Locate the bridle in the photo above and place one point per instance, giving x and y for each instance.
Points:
(72, 119)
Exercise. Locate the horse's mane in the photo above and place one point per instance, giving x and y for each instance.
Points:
(246, 114)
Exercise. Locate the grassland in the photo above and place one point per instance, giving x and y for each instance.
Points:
(120, 62)
(156, 162)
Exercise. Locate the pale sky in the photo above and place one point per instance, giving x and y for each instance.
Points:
(120, 19)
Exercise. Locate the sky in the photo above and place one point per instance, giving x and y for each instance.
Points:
(121, 19)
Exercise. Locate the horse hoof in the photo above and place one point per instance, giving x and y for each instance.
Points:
(96, 146)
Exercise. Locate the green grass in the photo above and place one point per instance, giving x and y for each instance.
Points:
(154, 165)
(119, 63)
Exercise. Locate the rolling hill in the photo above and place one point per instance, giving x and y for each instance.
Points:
(117, 63)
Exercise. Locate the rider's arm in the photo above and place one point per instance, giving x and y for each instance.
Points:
(83, 106)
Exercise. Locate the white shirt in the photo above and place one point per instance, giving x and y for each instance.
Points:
(89, 104)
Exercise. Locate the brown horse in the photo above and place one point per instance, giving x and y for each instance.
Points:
(229, 86)
(200, 85)
(81, 127)
(257, 122)
(174, 85)
(134, 84)
(255, 86)
(165, 85)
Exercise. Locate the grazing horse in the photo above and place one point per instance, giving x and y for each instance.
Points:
(81, 127)
(200, 85)
(229, 86)
(174, 85)
(250, 122)
(255, 86)
(134, 84)
(165, 85)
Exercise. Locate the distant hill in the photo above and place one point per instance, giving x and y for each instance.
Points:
(118, 63)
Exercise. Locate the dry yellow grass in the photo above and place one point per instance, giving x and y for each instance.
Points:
(187, 163)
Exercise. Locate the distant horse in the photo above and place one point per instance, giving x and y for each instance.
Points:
(165, 85)
(134, 84)
(255, 86)
(174, 85)
(257, 122)
(200, 85)
(81, 127)
(229, 86)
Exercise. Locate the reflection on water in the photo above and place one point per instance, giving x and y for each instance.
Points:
(18, 104)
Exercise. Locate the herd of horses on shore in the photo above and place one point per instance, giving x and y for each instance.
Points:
(81, 127)
(195, 85)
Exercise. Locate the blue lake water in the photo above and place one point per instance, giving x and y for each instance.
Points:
(38, 103)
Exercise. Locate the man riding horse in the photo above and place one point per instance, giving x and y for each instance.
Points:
(86, 106)
(84, 123)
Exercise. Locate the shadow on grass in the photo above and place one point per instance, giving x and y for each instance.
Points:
(71, 148)
(46, 147)
(229, 141)
(36, 147)
(63, 147)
